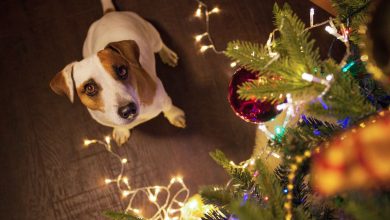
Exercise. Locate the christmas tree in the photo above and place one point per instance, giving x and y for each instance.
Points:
(333, 144)
(325, 172)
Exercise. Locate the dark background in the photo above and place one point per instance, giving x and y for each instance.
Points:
(45, 171)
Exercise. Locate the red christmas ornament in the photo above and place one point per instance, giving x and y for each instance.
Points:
(254, 110)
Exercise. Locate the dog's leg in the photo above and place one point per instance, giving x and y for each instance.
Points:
(108, 6)
(174, 114)
(120, 135)
(168, 56)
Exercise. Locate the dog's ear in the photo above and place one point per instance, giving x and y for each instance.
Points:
(62, 82)
(127, 49)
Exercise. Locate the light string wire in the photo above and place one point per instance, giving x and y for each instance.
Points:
(207, 13)
(170, 209)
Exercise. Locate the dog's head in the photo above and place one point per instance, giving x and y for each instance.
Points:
(112, 83)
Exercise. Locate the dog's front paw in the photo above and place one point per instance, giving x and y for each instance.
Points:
(120, 135)
(168, 56)
(176, 117)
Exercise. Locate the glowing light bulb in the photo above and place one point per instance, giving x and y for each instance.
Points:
(215, 10)
(108, 181)
(125, 193)
(275, 155)
(307, 77)
(124, 160)
(136, 211)
(311, 17)
(200, 36)
(205, 47)
(107, 139)
(233, 64)
(125, 180)
(192, 204)
(152, 198)
(88, 142)
(329, 77)
(198, 12)
(179, 179)
(330, 30)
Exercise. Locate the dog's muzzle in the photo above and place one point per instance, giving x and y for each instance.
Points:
(128, 111)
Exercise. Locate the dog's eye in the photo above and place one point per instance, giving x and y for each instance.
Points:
(91, 89)
(121, 72)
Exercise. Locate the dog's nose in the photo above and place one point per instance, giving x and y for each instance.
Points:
(127, 110)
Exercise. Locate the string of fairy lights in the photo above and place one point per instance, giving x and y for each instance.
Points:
(171, 202)
(175, 193)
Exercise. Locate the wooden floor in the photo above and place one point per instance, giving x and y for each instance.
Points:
(45, 171)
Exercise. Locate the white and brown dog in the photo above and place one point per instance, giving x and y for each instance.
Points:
(117, 78)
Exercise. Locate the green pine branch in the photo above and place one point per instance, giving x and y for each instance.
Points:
(295, 40)
(121, 216)
(297, 55)
(353, 11)
(240, 176)
(344, 99)
(307, 135)
(216, 195)
(373, 207)
(250, 55)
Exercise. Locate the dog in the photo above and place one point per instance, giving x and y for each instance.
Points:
(116, 80)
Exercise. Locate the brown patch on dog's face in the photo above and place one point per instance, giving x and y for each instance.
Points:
(90, 95)
(128, 73)
(115, 65)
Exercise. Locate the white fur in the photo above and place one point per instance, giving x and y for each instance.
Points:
(118, 26)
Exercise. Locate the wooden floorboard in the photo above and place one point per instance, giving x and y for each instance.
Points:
(46, 173)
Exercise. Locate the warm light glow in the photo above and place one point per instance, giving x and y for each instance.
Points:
(198, 12)
(152, 198)
(136, 211)
(125, 180)
(275, 155)
(233, 64)
(329, 77)
(330, 30)
(107, 139)
(215, 10)
(200, 36)
(193, 204)
(311, 17)
(88, 142)
(179, 179)
(205, 47)
(307, 77)
(125, 193)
